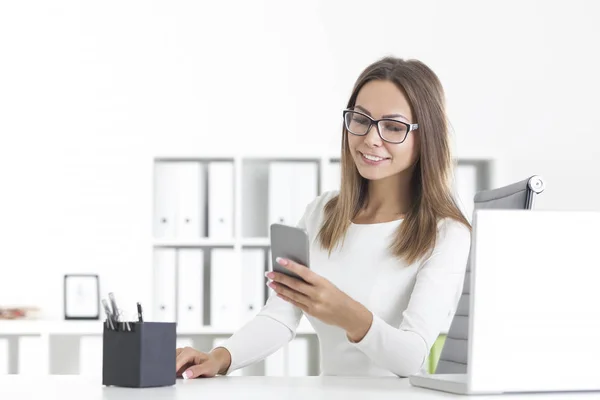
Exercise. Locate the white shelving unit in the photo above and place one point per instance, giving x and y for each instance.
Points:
(60, 347)
(251, 210)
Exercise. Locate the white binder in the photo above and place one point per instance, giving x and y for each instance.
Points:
(280, 192)
(191, 201)
(217, 341)
(304, 187)
(220, 199)
(298, 357)
(164, 285)
(253, 282)
(165, 199)
(255, 197)
(292, 186)
(275, 363)
(190, 284)
(225, 288)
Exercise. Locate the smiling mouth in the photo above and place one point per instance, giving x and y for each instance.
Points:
(373, 158)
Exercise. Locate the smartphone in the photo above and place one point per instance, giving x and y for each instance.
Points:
(289, 242)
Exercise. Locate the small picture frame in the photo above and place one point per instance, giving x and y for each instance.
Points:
(82, 297)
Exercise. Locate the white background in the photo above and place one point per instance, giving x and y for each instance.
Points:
(91, 91)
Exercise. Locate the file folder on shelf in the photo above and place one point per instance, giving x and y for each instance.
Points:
(305, 188)
(280, 192)
(253, 283)
(220, 199)
(165, 262)
(225, 288)
(190, 284)
(254, 199)
(292, 186)
(165, 199)
(191, 200)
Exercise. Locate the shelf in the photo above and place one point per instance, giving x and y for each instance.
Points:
(41, 327)
(85, 328)
(257, 242)
(193, 157)
(200, 242)
(207, 242)
(209, 330)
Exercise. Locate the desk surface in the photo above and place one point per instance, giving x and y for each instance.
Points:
(17, 387)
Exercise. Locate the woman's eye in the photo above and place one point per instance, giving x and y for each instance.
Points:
(394, 127)
(362, 121)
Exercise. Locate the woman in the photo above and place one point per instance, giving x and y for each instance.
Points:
(388, 251)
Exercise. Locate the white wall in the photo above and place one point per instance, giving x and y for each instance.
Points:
(91, 91)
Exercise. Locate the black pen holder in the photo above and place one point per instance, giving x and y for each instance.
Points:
(142, 355)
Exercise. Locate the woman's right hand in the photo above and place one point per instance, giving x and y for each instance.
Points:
(191, 363)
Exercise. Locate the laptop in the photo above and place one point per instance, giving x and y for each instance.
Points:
(534, 321)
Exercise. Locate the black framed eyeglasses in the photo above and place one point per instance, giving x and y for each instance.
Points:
(389, 130)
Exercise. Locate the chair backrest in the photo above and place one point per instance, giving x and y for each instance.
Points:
(520, 195)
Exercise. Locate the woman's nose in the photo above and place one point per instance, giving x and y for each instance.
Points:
(372, 138)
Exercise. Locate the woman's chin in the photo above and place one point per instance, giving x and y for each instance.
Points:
(371, 174)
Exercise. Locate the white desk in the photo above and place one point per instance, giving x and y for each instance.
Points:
(17, 387)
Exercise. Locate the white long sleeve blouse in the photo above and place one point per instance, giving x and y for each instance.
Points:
(410, 304)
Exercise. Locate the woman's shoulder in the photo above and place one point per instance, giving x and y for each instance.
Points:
(453, 241)
(450, 229)
(313, 214)
(321, 200)
(318, 204)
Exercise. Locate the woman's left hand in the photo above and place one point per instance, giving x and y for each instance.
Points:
(320, 298)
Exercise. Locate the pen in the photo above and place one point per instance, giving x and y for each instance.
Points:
(108, 314)
(140, 317)
(113, 303)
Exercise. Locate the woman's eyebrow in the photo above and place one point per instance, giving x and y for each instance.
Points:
(383, 116)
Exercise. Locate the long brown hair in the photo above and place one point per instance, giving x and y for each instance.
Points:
(432, 198)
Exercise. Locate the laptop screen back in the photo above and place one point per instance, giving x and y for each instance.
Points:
(536, 301)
